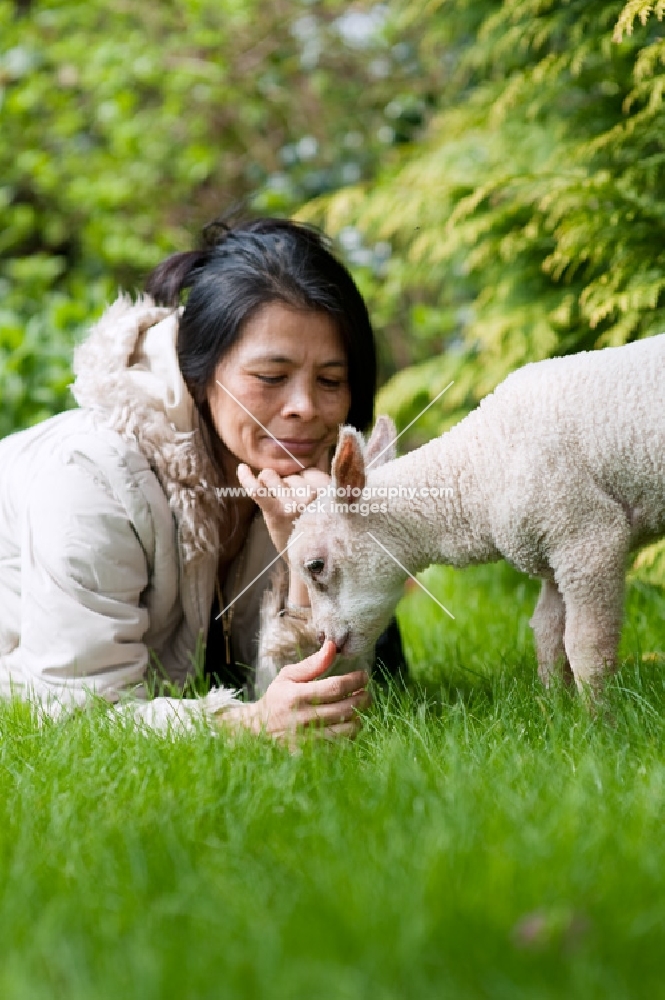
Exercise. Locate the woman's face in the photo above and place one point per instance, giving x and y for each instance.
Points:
(286, 378)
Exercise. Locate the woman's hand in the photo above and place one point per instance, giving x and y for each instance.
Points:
(296, 699)
(276, 513)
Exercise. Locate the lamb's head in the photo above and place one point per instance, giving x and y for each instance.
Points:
(353, 582)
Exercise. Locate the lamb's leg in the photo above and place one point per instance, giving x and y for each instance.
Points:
(548, 623)
(591, 579)
(592, 637)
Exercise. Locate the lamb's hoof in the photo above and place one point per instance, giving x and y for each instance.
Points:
(554, 673)
(595, 700)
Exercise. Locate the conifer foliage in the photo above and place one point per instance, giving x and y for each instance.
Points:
(529, 220)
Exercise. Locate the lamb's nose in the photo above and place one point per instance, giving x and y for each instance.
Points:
(340, 642)
(321, 637)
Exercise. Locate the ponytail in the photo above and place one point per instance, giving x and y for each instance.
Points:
(179, 271)
(173, 275)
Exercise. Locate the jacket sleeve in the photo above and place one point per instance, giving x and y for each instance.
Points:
(83, 572)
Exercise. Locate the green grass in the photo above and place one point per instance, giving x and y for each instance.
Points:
(482, 838)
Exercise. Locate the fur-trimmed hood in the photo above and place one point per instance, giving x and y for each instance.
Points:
(127, 372)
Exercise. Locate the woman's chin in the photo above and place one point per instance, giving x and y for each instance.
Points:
(281, 464)
(276, 458)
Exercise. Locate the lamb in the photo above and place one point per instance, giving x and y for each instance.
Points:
(560, 471)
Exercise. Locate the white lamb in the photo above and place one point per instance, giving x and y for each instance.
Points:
(560, 471)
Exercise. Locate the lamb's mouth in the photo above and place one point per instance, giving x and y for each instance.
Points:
(349, 644)
(343, 644)
(350, 647)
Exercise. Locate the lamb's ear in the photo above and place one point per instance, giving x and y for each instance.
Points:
(381, 446)
(348, 464)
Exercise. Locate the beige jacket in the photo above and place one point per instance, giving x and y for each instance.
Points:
(109, 538)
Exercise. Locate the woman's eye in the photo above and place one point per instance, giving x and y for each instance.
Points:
(329, 383)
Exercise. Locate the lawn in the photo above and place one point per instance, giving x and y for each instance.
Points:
(482, 838)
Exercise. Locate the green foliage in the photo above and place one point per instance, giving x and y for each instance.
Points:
(530, 219)
(37, 333)
(633, 10)
(125, 127)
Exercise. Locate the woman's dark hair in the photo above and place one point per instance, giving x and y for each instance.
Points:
(245, 266)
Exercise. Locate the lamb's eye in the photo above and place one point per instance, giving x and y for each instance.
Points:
(314, 566)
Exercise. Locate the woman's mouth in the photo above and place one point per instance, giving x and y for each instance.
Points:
(299, 446)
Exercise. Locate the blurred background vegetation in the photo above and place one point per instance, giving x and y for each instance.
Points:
(493, 172)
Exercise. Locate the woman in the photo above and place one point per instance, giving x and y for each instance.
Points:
(122, 547)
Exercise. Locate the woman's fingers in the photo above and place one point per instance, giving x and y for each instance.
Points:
(308, 479)
(311, 667)
(330, 689)
(246, 478)
(268, 477)
(271, 505)
(334, 714)
(316, 482)
(287, 489)
(298, 484)
(287, 492)
(277, 506)
(299, 698)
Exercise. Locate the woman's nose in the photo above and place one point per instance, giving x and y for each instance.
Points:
(300, 402)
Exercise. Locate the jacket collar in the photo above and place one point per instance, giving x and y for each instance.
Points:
(127, 373)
